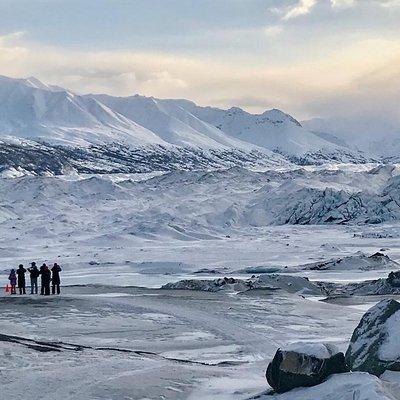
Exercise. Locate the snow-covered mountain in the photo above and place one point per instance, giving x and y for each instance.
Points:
(182, 122)
(30, 109)
(171, 122)
(272, 129)
(376, 135)
(33, 112)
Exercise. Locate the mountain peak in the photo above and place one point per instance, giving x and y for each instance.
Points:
(236, 110)
(277, 115)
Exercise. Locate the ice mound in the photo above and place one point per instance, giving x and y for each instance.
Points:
(290, 284)
(359, 261)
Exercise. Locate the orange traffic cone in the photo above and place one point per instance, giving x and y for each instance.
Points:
(8, 288)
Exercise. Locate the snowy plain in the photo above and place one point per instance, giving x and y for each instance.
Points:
(114, 334)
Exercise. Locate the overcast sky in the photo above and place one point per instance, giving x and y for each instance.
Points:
(307, 57)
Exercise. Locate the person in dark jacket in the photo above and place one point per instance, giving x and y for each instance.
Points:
(42, 268)
(46, 278)
(13, 281)
(56, 278)
(33, 270)
(21, 279)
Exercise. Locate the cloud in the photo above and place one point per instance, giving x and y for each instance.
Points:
(388, 3)
(303, 7)
(373, 94)
(273, 31)
(343, 3)
(361, 77)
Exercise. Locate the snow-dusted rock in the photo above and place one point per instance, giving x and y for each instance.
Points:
(207, 285)
(303, 365)
(394, 279)
(383, 286)
(375, 344)
(349, 386)
(376, 287)
(290, 284)
(359, 261)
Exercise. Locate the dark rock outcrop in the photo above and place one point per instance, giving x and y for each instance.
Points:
(304, 365)
(374, 345)
(394, 279)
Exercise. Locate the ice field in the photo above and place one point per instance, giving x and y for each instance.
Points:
(115, 334)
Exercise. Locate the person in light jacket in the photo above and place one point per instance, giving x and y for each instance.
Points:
(13, 281)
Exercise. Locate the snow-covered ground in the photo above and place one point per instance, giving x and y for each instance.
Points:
(114, 334)
(183, 345)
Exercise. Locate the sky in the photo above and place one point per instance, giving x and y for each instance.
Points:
(310, 58)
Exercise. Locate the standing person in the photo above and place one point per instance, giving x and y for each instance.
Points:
(21, 279)
(13, 281)
(33, 270)
(56, 278)
(42, 268)
(46, 278)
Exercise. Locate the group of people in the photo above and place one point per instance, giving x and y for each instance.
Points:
(47, 277)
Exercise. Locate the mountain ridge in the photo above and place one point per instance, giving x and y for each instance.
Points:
(34, 111)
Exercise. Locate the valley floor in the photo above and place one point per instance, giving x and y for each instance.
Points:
(183, 345)
(118, 336)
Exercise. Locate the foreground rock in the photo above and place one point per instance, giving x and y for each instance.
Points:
(351, 386)
(375, 344)
(303, 365)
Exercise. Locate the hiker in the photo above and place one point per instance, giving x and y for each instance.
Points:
(21, 279)
(42, 268)
(46, 278)
(33, 270)
(56, 278)
(13, 281)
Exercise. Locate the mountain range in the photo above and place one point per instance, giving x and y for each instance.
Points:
(48, 129)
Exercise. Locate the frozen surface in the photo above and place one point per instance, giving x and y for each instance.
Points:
(120, 238)
(184, 339)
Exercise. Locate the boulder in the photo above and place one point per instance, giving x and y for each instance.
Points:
(304, 365)
(375, 344)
